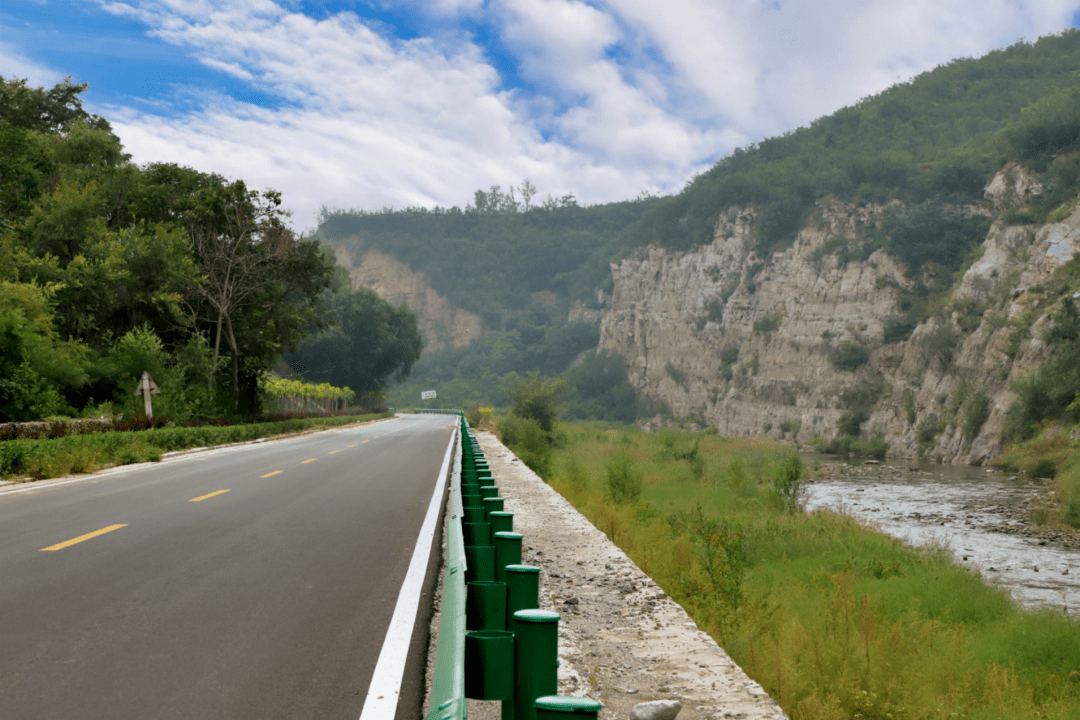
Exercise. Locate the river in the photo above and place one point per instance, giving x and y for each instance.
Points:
(979, 515)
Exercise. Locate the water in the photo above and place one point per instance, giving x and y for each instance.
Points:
(955, 507)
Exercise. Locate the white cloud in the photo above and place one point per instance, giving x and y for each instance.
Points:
(14, 65)
(619, 96)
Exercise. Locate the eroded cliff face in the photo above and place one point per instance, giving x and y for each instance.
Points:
(443, 325)
(746, 345)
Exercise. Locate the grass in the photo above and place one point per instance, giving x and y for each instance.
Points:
(1051, 454)
(75, 454)
(834, 619)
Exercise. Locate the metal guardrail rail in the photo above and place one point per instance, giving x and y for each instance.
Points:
(448, 685)
(496, 645)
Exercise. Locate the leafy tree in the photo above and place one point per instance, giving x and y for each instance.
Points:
(535, 398)
(370, 344)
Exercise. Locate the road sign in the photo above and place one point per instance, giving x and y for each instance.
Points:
(427, 394)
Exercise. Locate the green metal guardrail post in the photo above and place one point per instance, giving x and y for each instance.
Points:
(507, 552)
(491, 504)
(522, 591)
(536, 660)
(485, 607)
(501, 521)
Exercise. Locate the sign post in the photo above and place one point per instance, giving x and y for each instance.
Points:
(146, 386)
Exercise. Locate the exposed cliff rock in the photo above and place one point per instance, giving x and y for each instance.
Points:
(443, 325)
(749, 345)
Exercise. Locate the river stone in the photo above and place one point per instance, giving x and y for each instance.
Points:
(656, 710)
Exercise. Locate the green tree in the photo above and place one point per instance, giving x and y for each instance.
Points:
(370, 344)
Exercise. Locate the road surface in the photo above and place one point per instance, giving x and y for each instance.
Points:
(247, 582)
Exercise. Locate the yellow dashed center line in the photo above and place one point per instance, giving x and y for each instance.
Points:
(203, 497)
(270, 474)
(353, 445)
(368, 440)
(79, 539)
(302, 462)
(332, 452)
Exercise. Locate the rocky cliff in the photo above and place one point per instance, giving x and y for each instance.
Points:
(757, 346)
(443, 325)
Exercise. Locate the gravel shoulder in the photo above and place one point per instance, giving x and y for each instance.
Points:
(622, 640)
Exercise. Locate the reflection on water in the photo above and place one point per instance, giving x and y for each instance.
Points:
(952, 506)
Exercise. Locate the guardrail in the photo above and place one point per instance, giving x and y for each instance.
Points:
(494, 642)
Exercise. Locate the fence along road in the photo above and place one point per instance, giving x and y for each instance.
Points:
(248, 582)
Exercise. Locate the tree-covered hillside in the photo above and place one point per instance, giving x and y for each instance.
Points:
(936, 139)
(931, 143)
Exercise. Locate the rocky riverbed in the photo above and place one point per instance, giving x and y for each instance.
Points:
(982, 516)
(622, 640)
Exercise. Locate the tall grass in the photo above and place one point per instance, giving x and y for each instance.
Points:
(834, 619)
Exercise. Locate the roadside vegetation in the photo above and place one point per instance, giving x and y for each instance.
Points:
(36, 459)
(834, 619)
(109, 269)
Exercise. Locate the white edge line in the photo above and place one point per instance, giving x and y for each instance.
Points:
(382, 697)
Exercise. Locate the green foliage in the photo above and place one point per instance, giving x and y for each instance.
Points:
(201, 273)
(850, 423)
(598, 388)
(537, 399)
(787, 481)
(767, 324)
(370, 344)
(1050, 390)
(850, 356)
(976, 413)
(676, 374)
(729, 355)
(909, 406)
(623, 480)
(529, 440)
(71, 454)
(938, 136)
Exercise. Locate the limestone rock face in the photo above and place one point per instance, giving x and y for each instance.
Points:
(745, 344)
(443, 325)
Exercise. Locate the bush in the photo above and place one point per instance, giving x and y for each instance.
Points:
(850, 423)
(850, 356)
(623, 480)
(767, 324)
(1045, 468)
(529, 441)
(787, 481)
(537, 399)
(976, 414)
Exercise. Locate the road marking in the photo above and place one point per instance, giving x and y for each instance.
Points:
(270, 474)
(304, 462)
(203, 497)
(353, 445)
(87, 536)
(368, 440)
(382, 695)
(332, 452)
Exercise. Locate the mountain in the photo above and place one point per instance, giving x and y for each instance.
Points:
(899, 270)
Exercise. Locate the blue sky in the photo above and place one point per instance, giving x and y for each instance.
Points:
(368, 103)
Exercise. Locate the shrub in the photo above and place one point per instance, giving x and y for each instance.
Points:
(850, 356)
(850, 423)
(537, 399)
(787, 481)
(623, 480)
(529, 441)
(1045, 468)
(976, 414)
(769, 323)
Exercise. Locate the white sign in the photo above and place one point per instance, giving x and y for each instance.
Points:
(427, 395)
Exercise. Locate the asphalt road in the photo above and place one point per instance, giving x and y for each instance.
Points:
(247, 582)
